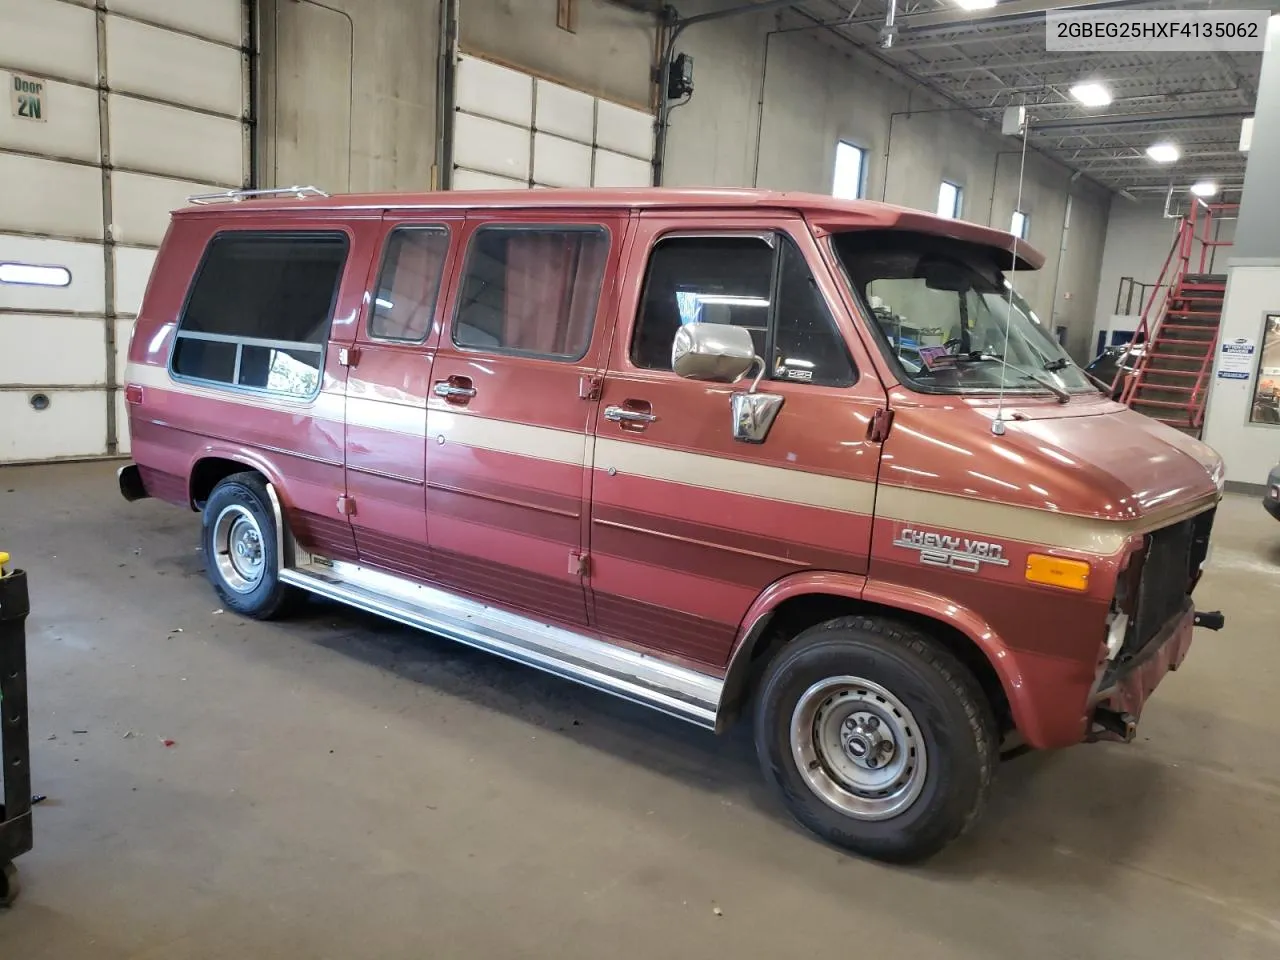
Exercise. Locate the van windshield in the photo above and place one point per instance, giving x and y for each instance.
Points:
(948, 318)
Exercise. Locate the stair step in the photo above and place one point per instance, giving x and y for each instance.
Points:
(1179, 342)
(1195, 314)
(1171, 373)
(1147, 385)
(1195, 327)
(1205, 278)
(1172, 405)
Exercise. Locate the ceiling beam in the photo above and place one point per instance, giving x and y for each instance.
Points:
(1130, 119)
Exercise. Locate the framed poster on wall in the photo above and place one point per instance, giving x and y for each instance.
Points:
(1266, 394)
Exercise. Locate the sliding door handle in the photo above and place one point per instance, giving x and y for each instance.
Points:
(455, 389)
(623, 415)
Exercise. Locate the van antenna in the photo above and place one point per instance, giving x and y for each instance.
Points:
(997, 425)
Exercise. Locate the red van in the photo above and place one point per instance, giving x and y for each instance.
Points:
(678, 446)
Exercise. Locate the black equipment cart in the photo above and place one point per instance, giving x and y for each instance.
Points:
(15, 745)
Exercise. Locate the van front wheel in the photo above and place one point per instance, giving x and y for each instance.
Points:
(240, 549)
(878, 738)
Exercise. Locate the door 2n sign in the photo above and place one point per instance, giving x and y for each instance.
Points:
(26, 96)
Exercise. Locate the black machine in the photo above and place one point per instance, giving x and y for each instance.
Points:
(15, 744)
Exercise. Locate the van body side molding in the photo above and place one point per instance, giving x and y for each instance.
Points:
(640, 678)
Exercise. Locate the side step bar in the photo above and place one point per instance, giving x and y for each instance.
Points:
(642, 679)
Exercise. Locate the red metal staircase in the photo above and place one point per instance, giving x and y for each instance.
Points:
(1178, 329)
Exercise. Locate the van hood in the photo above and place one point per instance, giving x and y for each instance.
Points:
(1089, 458)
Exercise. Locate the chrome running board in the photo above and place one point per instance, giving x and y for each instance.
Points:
(637, 677)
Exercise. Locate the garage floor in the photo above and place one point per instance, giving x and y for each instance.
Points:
(341, 787)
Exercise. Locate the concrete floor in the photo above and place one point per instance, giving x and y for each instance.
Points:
(340, 787)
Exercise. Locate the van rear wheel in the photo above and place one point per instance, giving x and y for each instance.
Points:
(878, 738)
(240, 551)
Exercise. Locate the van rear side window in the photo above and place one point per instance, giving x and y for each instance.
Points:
(532, 290)
(259, 311)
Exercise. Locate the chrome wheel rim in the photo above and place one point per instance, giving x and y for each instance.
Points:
(238, 549)
(858, 747)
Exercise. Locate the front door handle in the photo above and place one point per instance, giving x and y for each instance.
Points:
(633, 415)
(455, 389)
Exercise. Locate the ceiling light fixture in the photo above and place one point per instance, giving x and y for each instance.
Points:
(976, 4)
(1091, 94)
(1205, 188)
(1163, 152)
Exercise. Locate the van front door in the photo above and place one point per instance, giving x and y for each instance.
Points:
(689, 525)
(511, 403)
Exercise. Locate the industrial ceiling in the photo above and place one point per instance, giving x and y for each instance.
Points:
(985, 60)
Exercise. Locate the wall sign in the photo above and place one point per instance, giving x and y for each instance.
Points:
(27, 97)
(1236, 362)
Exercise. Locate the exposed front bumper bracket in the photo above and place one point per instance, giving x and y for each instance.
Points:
(1210, 619)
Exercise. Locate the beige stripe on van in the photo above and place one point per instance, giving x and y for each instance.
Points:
(736, 476)
(502, 436)
(1038, 527)
(917, 507)
(383, 415)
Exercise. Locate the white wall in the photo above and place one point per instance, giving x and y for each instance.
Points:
(1139, 238)
(1249, 449)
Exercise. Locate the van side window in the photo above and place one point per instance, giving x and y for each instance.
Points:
(409, 283)
(761, 283)
(259, 310)
(531, 290)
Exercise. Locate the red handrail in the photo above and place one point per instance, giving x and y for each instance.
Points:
(1184, 244)
(1142, 333)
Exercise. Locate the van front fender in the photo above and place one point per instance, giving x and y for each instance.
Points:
(881, 598)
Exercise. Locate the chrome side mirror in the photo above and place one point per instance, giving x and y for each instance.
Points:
(719, 352)
(725, 354)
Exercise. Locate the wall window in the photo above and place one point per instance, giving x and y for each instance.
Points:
(1020, 225)
(761, 283)
(35, 275)
(409, 283)
(850, 172)
(950, 199)
(532, 290)
(1266, 395)
(259, 311)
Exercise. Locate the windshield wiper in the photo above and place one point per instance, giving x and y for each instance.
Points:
(1053, 366)
(1061, 393)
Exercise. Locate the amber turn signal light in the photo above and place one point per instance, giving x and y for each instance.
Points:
(1057, 571)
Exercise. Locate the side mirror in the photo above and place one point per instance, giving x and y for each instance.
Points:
(725, 353)
(713, 351)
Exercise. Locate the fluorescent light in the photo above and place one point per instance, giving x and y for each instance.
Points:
(1091, 94)
(36, 276)
(1163, 152)
(1205, 188)
(976, 4)
(1246, 134)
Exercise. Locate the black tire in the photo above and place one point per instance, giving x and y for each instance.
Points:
(9, 885)
(952, 720)
(239, 497)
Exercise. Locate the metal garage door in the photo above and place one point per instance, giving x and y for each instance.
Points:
(514, 130)
(114, 114)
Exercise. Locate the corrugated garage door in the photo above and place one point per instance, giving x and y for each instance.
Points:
(113, 117)
(515, 130)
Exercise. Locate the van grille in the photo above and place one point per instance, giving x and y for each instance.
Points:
(1170, 567)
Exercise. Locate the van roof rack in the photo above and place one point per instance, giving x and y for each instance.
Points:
(235, 196)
